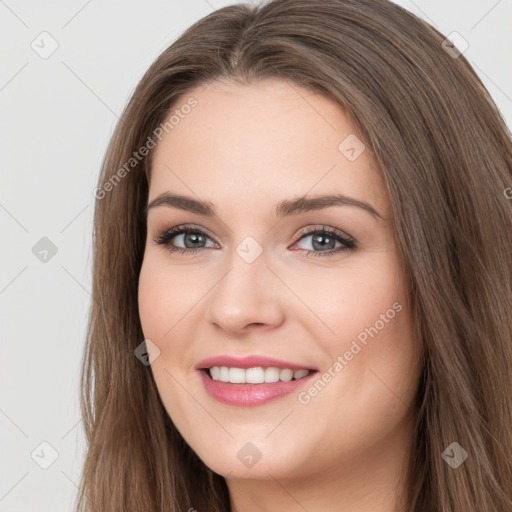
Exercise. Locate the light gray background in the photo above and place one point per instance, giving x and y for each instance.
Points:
(57, 115)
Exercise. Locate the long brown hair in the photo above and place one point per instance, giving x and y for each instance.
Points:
(445, 153)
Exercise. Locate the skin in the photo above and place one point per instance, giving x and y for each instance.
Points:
(245, 148)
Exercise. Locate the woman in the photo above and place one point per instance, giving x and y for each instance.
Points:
(302, 273)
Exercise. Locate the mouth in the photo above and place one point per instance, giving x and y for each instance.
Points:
(255, 386)
(251, 380)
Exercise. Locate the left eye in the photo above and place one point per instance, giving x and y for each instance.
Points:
(324, 238)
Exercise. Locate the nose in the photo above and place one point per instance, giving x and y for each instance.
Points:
(248, 296)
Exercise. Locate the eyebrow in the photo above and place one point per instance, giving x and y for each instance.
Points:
(284, 208)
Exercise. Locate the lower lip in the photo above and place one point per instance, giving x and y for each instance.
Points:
(250, 395)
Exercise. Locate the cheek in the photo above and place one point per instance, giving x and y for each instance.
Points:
(372, 366)
(164, 295)
(169, 298)
(160, 312)
(372, 336)
(150, 297)
(159, 306)
(361, 300)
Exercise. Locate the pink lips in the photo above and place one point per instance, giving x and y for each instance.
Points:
(249, 395)
(248, 362)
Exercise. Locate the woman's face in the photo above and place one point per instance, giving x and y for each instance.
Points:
(260, 281)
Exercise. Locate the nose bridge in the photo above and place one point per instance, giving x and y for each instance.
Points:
(246, 293)
(246, 276)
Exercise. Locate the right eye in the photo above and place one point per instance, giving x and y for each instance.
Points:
(190, 236)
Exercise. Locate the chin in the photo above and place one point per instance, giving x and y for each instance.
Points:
(252, 459)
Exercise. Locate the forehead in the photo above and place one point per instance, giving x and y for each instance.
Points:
(264, 141)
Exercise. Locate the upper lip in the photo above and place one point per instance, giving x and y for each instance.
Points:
(252, 361)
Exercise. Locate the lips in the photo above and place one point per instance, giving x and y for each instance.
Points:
(245, 394)
(253, 361)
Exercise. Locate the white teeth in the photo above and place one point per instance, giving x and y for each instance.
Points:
(237, 375)
(254, 375)
(257, 375)
(271, 374)
(286, 375)
(223, 374)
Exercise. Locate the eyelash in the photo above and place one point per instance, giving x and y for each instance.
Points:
(166, 236)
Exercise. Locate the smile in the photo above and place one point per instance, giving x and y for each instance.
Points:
(251, 380)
